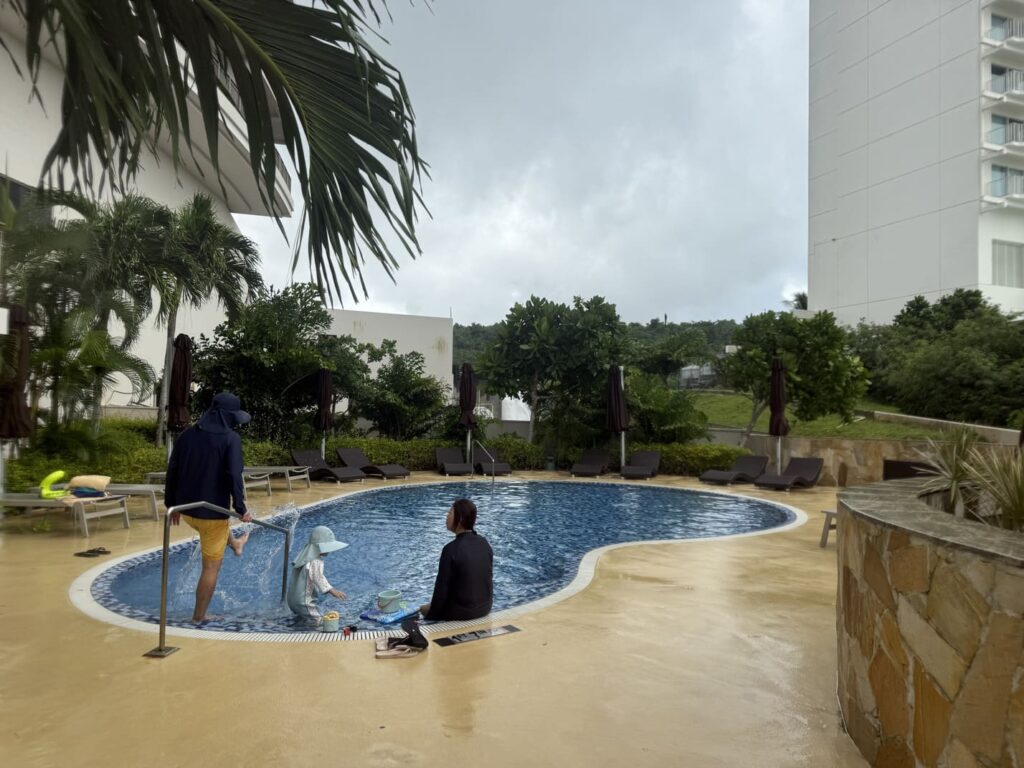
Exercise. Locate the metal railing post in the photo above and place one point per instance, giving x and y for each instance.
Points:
(163, 650)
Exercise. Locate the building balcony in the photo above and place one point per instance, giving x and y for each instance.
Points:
(1005, 140)
(1005, 192)
(1006, 38)
(1006, 89)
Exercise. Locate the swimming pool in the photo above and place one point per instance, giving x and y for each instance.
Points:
(540, 532)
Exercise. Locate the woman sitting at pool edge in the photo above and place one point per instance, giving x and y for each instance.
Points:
(464, 588)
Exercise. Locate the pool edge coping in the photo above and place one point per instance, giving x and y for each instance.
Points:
(80, 591)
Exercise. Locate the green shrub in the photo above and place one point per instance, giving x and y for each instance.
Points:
(414, 455)
(692, 458)
(516, 451)
(263, 453)
(144, 428)
(129, 466)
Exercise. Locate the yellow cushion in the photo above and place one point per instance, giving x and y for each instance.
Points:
(97, 482)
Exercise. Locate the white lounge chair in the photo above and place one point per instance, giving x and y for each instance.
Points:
(84, 509)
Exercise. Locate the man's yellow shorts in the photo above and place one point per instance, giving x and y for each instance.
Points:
(213, 535)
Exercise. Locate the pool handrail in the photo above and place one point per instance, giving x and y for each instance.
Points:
(163, 650)
(489, 456)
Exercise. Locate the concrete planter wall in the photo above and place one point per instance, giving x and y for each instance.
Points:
(930, 633)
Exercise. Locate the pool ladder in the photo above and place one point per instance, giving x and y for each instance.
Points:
(163, 650)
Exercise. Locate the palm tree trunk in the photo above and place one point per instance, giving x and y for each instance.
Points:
(165, 380)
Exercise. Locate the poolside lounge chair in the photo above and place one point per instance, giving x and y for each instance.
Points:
(450, 461)
(491, 465)
(746, 469)
(592, 463)
(354, 457)
(83, 509)
(799, 473)
(642, 465)
(320, 470)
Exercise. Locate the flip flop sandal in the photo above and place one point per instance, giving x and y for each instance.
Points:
(398, 652)
(87, 553)
(99, 550)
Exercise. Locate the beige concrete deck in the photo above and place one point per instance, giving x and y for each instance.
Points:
(692, 654)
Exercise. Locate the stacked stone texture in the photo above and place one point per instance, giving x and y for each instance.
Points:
(930, 639)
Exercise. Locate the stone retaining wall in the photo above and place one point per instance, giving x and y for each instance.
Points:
(847, 462)
(930, 635)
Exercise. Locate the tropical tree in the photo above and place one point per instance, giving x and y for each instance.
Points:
(274, 341)
(546, 351)
(798, 300)
(209, 259)
(401, 401)
(822, 375)
(301, 74)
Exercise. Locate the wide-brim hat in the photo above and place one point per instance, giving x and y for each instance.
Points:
(230, 404)
(321, 541)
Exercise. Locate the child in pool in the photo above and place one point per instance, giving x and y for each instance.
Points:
(308, 580)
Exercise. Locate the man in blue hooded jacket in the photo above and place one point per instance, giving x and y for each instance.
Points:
(206, 465)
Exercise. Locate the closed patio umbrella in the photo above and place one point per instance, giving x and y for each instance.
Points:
(178, 414)
(618, 415)
(778, 427)
(467, 405)
(15, 420)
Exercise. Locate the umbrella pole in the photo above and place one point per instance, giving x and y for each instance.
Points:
(778, 454)
(3, 467)
(469, 445)
(622, 435)
(170, 445)
(323, 446)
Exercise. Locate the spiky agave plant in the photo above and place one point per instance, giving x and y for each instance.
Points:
(1000, 475)
(951, 475)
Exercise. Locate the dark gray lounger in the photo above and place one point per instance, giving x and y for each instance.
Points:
(799, 473)
(450, 461)
(354, 457)
(746, 469)
(642, 465)
(320, 470)
(486, 466)
(592, 463)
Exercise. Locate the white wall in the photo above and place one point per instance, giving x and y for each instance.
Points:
(895, 160)
(430, 336)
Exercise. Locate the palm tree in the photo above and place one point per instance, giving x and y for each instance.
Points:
(100, 266)
(303, 75)
(799, 300)
(213, 260)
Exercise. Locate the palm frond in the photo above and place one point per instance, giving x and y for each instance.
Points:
(303, 75)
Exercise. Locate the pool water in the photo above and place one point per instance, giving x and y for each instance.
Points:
(539, 532)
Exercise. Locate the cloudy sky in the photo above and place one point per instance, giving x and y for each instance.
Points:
(651, 152)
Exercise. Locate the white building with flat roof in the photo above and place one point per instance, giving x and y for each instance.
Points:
(916, 153)
(432, 337)
(29, 126)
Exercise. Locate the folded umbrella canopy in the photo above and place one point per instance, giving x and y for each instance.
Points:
(467, 405)
(15, 420)
(778, 427)
(178, 414)
(618, 414)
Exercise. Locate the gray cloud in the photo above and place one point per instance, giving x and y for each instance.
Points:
(653, 153)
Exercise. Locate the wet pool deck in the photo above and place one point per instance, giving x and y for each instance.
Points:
(713, 653)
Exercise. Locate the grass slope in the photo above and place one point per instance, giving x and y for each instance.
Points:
(728, 410)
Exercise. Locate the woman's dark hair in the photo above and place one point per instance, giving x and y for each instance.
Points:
(465, 514)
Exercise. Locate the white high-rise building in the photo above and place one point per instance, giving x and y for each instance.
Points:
(916, 153)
